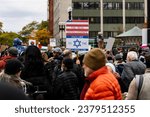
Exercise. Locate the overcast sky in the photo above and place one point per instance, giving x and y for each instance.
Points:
(17, 13)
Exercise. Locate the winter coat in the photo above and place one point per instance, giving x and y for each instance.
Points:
(144, 93)
(130, 70)
(40, 88)
(78, 70)
(13, 80)
(65, 86)
(101, 85)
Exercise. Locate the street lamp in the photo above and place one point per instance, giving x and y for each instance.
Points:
(69, 10)
(62, 29)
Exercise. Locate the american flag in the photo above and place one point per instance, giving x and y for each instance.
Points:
(77, 28)
(77, 35)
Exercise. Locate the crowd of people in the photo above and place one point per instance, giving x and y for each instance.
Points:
(60, 74)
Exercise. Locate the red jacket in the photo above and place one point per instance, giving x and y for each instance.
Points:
(101, 85)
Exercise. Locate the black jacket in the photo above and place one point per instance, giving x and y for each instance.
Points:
(65, 86)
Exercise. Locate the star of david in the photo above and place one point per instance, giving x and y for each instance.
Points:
(77, 43)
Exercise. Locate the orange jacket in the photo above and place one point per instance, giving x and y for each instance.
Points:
(101, 85)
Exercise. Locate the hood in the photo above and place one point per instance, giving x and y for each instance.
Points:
(138, 67)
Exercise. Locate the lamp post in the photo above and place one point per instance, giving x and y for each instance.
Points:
(69, 10)
(62, 29)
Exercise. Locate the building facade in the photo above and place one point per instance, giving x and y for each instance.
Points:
(112, 15)
(115, 18)
(60, 17)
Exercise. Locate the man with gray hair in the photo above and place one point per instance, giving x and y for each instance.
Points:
(131, 68)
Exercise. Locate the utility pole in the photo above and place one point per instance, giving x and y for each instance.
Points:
(100, 34)
(50, 16)
(124, 16)
(101, 15)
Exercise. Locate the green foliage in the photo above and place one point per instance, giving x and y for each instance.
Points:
(8, 37)
(43, 25)
(1, 25)
(26, 30)
(42, 36)
(37, 31)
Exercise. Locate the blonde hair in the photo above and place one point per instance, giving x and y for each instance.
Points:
(132, 55)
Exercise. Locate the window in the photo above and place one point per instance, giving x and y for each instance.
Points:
(105, 5)
(108, 34)
(94, 20)
(78, 5)
(134, 6)
(112, 20)
(135, 20)
(93, 5)
(117, 6)
(109, 5)
(112, 5)
(93, 34)
(86, 5)
(80, 18)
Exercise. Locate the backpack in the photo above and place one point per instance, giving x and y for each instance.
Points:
(139, 83)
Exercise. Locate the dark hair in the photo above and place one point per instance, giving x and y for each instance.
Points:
(68, 63)
(13, 66)
(34, 64)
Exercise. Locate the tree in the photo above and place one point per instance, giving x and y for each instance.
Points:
(26, 30)
(37, 31)
(42, 36)
(8, 37)
(1, 25)
(43, 25)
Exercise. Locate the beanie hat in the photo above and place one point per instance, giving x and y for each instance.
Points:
(13, 51)
(13, 66)
(95, 59)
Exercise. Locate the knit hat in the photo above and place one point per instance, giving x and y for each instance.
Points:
(13, 66)
(13, 51)
(95, 59)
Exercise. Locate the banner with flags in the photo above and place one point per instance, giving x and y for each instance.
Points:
(77, 35)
